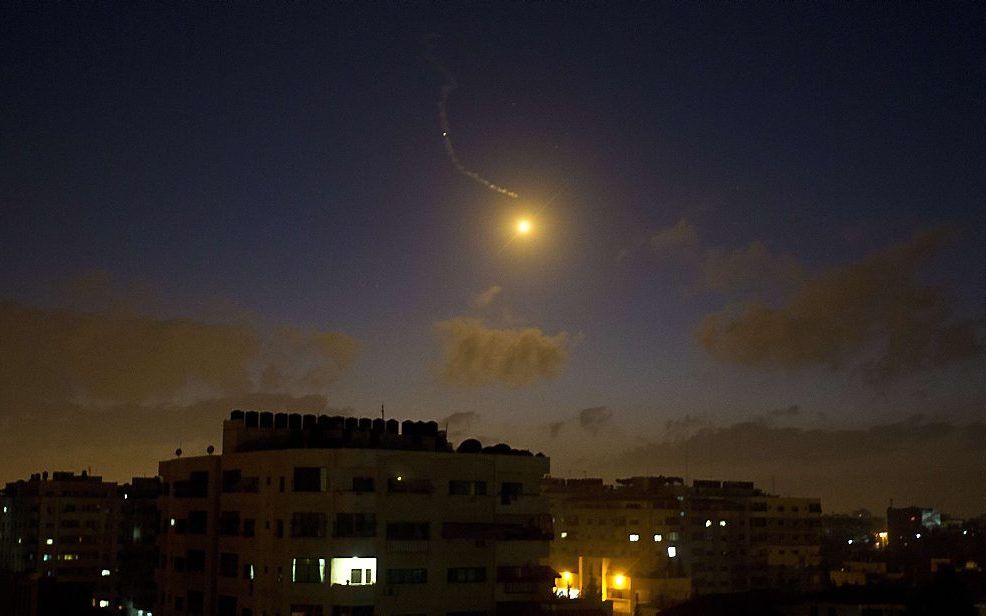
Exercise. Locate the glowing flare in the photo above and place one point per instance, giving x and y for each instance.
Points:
(524, 226)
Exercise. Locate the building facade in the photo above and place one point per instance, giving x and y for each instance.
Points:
(326, 516)
(650, 542)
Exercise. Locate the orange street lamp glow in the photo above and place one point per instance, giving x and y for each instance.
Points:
(619, 581)
(524, 226)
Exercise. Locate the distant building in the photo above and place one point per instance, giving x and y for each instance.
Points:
(62, 531)
(326, 516)
(650, 542)
(908, 524)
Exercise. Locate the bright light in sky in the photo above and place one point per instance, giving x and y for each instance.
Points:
(523, 226)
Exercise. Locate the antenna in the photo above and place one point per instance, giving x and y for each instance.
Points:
(383, 415)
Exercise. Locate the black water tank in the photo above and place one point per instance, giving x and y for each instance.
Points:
(407, 427)
(470, 445)
(351, 424)
(308, 421)
(280, 421)
(393, 426)
(236, 415)
(431, 428)
(251, 419)
(267, 419)
(336, 422)
(364, 424)
(378, 426)
(294, 421)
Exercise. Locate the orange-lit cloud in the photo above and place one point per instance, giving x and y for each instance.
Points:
(475, 354)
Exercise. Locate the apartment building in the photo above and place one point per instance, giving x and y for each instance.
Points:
(650, 542)
(61, 529)
(330, 516)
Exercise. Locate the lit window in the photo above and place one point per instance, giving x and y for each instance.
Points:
(104, 603)
(353, 571)
(308, 570)
(722, 522)
(46, 557)
(125, 496)
(49, 541)
(917, 536)
(172, 521)
(5, 508)
(658, 538)
(563, 534)
(708, 523)
(634, 537)
(104, 572)
(672, 551)
(850, 542)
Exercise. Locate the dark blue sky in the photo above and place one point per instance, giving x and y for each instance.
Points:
(285, 162)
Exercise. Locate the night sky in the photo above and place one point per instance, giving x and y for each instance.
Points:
(757, 248)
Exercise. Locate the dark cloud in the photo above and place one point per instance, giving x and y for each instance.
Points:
(595, 419)
(475, 354)
(751, 268)
(486, 297)
(680, 236)
(875, 310)
(913, 461)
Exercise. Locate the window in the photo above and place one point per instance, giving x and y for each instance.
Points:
(634, 537)
(198, 522)
(356, 525)
(479, 488)
(408, 531)
(195, 560)
(355, 570)
(362, 484)
(459, 488)
(407, 576)
(308, 570)
(195, 600)
(229, 564)
(466, 575)
(509, 492)
(227, 606)
(231, 481)
(249, 527)
(404, 485)
(279, 531)
(310, 479)
(308, 524)
(306, 610)
(229, 523)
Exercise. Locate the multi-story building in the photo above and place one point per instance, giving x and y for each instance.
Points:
(648, 542)
(326, 516)
(63, 529)
(137, 554)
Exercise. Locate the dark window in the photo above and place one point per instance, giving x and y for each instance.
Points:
(356, 525)
(815, 507)
(280, 484)
(407, 576)
(308, 570)
(306, 610)
(362, 484)
(309, 479)
(229, 564)
(195, 560)
(196, 601)
(509, 492)
(249, 527)
(198, 522)
(231, 481)
(229, 523)
(308, 524)
(403, 485)
(479, 488)
(179, 604)
(459, 488)
(227, 606)
(408, 530)
(279, 531)
(466, 575)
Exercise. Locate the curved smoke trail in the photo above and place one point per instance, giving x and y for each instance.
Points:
(447, 87)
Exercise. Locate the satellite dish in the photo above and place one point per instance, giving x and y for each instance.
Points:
(210, 450)
(178, 452)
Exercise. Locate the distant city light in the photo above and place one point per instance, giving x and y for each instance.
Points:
(658, 538)
(563, 534)
(672, 551)
(849, 542)
(566, 576)
(917, 535)
(104, 572)
(722, 522)
(49, 541)
(104, 603)
(634, 537)
(708, 523)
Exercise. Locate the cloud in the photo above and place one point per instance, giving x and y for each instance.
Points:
(748, 269)
(104, 359)
(486, 297)
(595, 418)
(475, 354)
(875, 308)
(680, 236)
